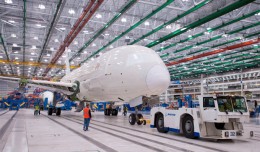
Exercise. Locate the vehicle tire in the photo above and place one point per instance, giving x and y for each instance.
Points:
(160, 124)
(49, 111)
(132, 118)
(188, 127)
(139, 116)
(105, 112)
(108, 112)
(114, 112)
(58, 111)
(220, 126)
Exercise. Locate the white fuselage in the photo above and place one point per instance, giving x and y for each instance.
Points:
(121, 74)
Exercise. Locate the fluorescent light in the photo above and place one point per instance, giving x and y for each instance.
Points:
(41, 6)
(168, 27)
(189, 36)
(123, 20)
(38, 25)
(71, 11)
(11, 21)
(107, 34)
(64, 56)
(76, 43)
(85, 31)
(31, 60)
(94, 44)
(146, 23)
(14, 45)
(56, 40)
(78, 58)
(59, 61)
(52, 49)
(36, 38)
(111, 47)
(48, 55)
(16, 52)
(8, 1)
(16, 58)
(257, 13)
(85, 52)
(224, 35)
(98, 16)
(13, 35)
(34, 47)
(72, 62)
(206, 33)
(46, 60)
(92, 59)
(32, 53)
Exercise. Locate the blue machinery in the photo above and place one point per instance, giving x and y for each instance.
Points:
(14, 102)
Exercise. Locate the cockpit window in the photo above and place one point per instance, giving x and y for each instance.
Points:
(232, 104)
(225, 104)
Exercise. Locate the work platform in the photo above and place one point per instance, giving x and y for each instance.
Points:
(23, 132)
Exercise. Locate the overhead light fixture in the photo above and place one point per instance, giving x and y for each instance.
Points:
(11, 21)
(13, 35)
(146, 23)
(76, 43)
(257, 14)
(16, 58)
(100, 53)
(71, 11)
(98, 16)
(31, 60)
(48, 55)
(111, 47)
(56, 40)
(107, 34)
(189, 36)
(8, 1)
(78, 58)
(46, 60)
(92, 59)
(168, 27)
(34, 47)
(16, 52)
(32, 53)
(59, 61)
(123, 20)
(206, 33)
(41, 6)
(64, 56)
(85, 31)
(72, 62)
(52, 49)
(94, 44)
(219, 54)
(14, 45)
(224, 35)
(85, 52)
(36, 38)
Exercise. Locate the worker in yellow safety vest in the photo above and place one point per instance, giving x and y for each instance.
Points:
(87, 117)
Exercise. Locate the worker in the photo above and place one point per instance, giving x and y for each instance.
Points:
(87, 117)
(36, 109)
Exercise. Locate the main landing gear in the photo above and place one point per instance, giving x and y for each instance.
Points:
(54, 110)
(113, 112)
(136, 118)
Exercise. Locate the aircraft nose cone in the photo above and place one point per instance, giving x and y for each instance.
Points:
(158, 79)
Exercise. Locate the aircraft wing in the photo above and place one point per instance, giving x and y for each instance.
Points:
(66, 88)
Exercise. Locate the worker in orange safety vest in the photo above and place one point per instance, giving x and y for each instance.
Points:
(87, 117)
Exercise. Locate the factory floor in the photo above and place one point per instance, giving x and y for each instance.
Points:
(23, 132)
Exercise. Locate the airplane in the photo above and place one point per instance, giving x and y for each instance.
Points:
(133, 74)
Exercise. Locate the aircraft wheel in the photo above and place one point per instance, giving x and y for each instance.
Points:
(132, 118)
(139, 116)
(105, 112)
(58, 111)
(160, 124)
(188, 127)
(114, 112)
(49, 111)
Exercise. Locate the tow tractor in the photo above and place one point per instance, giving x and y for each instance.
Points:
(216, 117)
